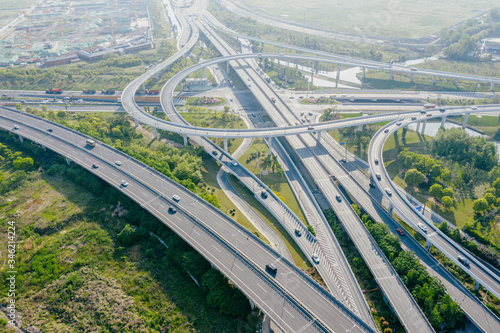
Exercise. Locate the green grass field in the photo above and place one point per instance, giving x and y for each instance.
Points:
(399, 18)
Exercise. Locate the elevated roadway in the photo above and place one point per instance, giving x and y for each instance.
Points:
(294, 301)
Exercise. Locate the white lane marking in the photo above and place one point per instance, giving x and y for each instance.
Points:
(215, 247)
(262, 288)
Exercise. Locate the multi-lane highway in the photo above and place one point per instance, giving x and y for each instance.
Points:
(293, 301)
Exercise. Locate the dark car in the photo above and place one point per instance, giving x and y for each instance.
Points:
(463, 260)
(442, 110)
(50, 130)
(172, 209)
(271, 268)
(214, 152)
(95, 166)
(298, 232)
(264, 195)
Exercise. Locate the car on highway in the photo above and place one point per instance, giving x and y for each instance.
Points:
(423, 112)
(372, 185)
(297, 123)
(473, 107)
(271, 268)
(338, 197)
(248, 79)
(176, 197)
(172, 209)
(215, 153)
(95, 166)
(264, 195)
(315, 258)
(442, 110)
(413, 69)
(386, 130)
(463, 260)
(249, 85)
(388, 191)
(376, 160)
(401, 232)
(378, 176)
(234, 163)
(298, 232)
(50, 130)
(422, 227)
(118, 163)
(124, 183)
(253, 115)
(429, 115)
(311, 114)
(413, 118)
(16, 127)
(398, 123)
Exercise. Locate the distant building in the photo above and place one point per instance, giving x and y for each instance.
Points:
(62, 60)
(492, 45)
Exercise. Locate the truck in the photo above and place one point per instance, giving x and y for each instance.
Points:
(54, 91)
(273, 99)
(90, 142)
(89, 91)
(152, 92)
(108, 92)
(429, 106)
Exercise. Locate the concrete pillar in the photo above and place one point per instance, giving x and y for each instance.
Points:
(338, 76)
(360, 128)
(185, 137)
(433, 80)
(264, 64)
(476, 286)
(225, 145)
(44, 149)
(443, 120)
(364, 73)
(491, 87)
(227, 68)
(319, 136)
(252, 304)
(391, 207)
(68, 161)
(157, 76)
(418, 126)
(136, 122)
(278, 50)
(456, 81)
(204, 72)
(411, 77)
(155, 133)
(21, 138)
(427, 244)
(423, 127)
(143, 87)
(181, 85)
(390, 76)
(312, 73)
(464, 124)
(270, 145)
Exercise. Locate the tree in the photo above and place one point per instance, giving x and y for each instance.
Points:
(436, 191)
(435, 171)
(490, 198)
(447, 202)
(23, 163)
(19, 107)
(414, 177)
(61, 114)
(447, 192)
(44, 108)
(480, 205)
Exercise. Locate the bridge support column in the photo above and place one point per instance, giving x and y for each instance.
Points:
(204, 72)
(136, 122)
(338, 76)
(21, 138)
(155, 133)
(456, 82)
(427, 244)
(360, 128)
(364, 73)
(143, 87)
(433, 80)
(278, 50)
(252, 304)
(418, 126)
(44, 149)
(391, 207)
(491, 87)
(264, 64)
(225, 145)
(411, 78)
(312, 73)
(476, 286)
(464, 124)
(391, 76)
(319, 136)
(181, 85)
(270, 145)
(443, 120)
(157, 76)
(68, 161)
(423, 127)
(185, 137)
(227, 68)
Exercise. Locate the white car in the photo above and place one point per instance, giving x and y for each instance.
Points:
(423, 227)
(124, 183)
(234, 163)
(118, 163)
(176, 197)
(388, 191)
(16, 127)
(315, 258)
